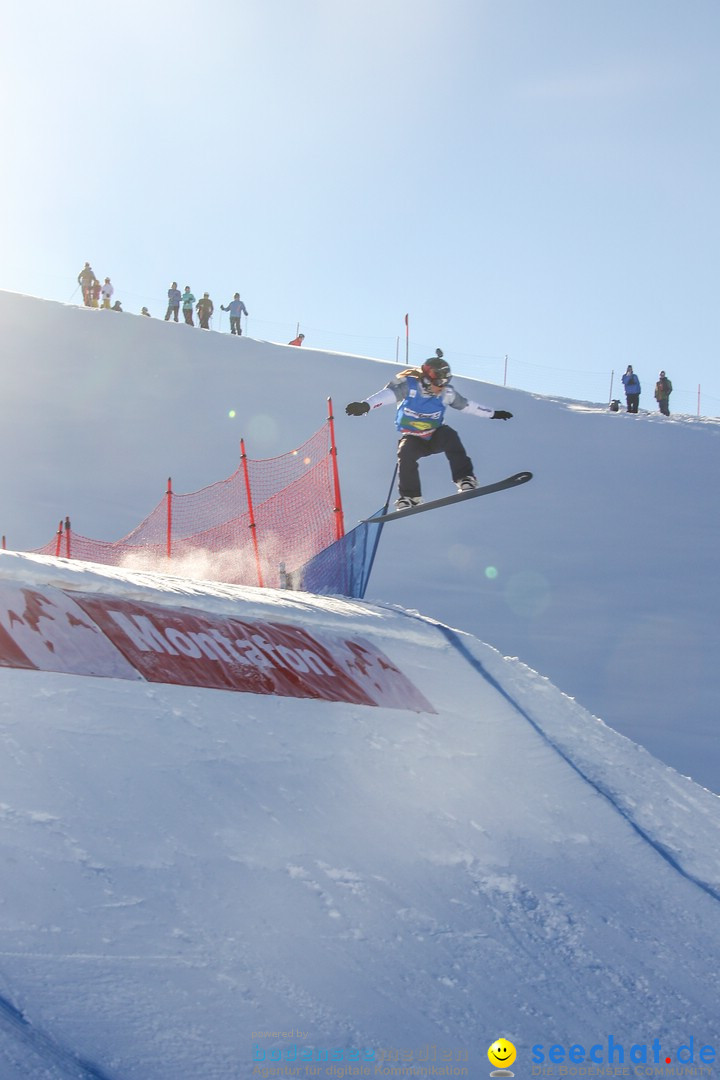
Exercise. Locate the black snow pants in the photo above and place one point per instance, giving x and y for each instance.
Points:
(445, 440)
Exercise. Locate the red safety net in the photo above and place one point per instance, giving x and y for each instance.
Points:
(255, 528)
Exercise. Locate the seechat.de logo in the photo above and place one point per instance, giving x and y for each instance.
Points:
(501, 1054)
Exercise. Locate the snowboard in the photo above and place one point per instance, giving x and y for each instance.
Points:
(461, 496)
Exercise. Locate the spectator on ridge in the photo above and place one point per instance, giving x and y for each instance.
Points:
(86, 278)
(117, 306)
(205, 308)
(107, 291)
(663, 390)
(146, 312)
(188, 301)
(174, 298)
(237, 309)
(632, 389)
(298, 340)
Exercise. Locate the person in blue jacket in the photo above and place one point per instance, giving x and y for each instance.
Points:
(237, 309)
(174, 297)
(632, 389)
(421, 396)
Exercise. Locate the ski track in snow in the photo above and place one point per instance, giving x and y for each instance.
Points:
(662, 849)
(56, 1062)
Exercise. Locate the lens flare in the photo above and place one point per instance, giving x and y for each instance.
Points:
(528, 594)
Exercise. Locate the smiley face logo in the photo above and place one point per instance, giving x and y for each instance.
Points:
(501, 1054)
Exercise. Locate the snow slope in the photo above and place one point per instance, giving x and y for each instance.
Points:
(194, 878)
(601, 573)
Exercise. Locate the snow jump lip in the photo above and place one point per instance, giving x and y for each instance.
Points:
(46, 628)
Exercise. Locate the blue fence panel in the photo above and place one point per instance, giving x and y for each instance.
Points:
(343, 569)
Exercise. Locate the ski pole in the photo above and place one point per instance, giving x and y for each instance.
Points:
(371, 561)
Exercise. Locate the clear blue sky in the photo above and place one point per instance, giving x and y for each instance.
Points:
(530, 178)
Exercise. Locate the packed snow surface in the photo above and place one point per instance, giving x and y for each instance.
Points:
(202, 883)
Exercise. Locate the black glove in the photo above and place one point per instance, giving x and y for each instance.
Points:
(357, 408)
(500, 414)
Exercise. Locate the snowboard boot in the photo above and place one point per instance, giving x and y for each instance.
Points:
(467, 483)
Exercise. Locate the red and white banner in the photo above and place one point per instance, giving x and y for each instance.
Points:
(44, 628)
(96, 634)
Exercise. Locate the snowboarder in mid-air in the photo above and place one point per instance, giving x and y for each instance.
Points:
(421, 396)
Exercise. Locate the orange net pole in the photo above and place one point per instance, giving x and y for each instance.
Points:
(251, 512)
(168, 495)
(338, 510)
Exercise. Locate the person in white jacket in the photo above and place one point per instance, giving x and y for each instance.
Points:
(106, 292)
(421, 396)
